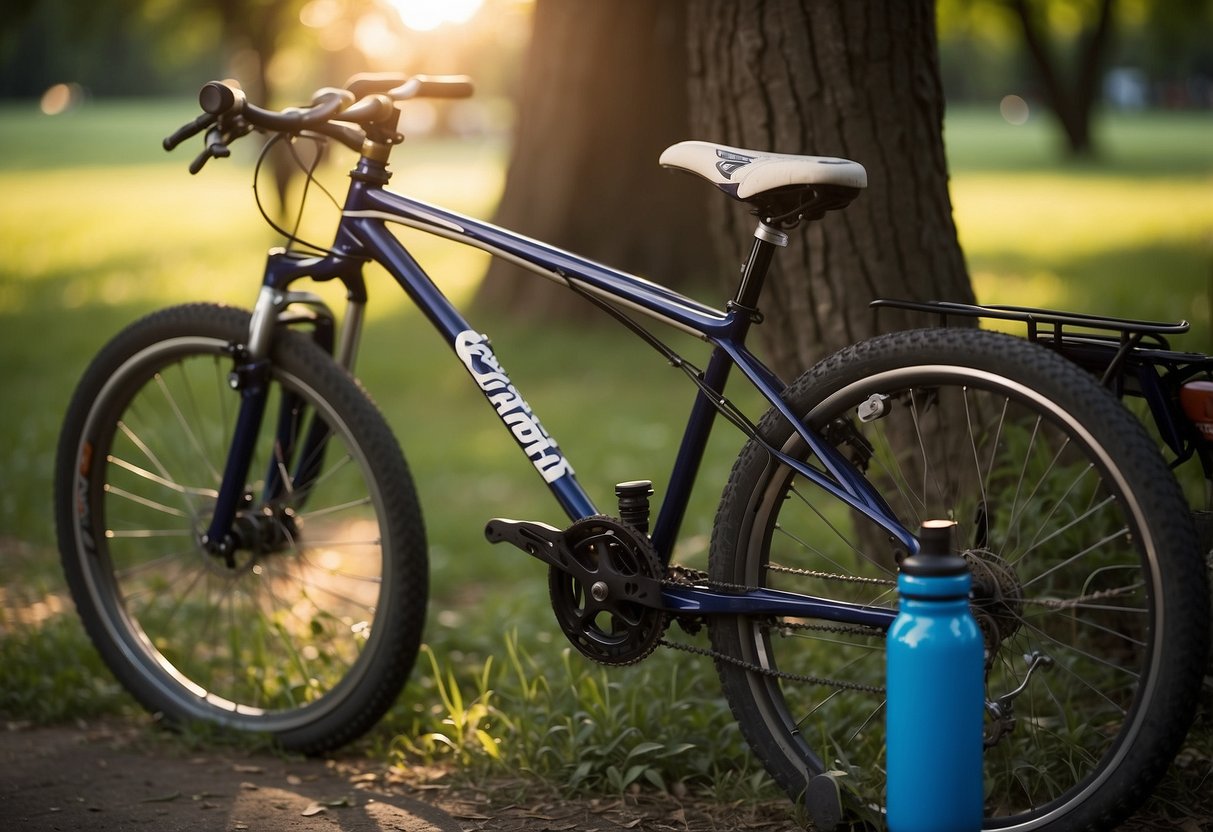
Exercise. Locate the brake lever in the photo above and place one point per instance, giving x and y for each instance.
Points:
(193, 128)
(216, 148)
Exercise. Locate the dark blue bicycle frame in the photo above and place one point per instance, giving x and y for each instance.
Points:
(363, 235)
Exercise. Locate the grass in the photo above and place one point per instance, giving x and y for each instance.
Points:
(100, 226)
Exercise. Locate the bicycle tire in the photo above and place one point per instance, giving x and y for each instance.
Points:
(309, 632)
(1075, 520)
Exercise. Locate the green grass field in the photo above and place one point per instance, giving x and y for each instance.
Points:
(100, 226)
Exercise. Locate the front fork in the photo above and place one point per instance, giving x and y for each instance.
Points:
(250, 376)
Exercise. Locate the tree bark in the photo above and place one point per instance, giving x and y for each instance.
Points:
(860, 80)
(604, 92)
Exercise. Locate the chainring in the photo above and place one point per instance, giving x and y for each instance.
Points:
(598, 599)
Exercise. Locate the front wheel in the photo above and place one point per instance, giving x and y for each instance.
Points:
(1088, 585)
(305, 630)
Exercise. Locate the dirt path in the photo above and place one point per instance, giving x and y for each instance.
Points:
(122, 776)
(113, 776)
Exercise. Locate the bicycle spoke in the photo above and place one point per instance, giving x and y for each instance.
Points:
(1118, 535)
(312, 514)
(167, 483)
(118, 534)
(185, 426)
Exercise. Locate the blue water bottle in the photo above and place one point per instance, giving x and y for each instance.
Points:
(936, 693)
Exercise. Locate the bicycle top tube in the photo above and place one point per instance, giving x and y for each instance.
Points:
(370, 207)
(363, 118)
(375, 205)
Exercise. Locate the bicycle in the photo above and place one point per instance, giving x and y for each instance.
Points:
(241, 533)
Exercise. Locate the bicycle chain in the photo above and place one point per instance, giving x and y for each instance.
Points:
(682, 576)
(769, 672)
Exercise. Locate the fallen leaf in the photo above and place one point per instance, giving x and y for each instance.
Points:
(246, 769)
(314, 809)
(164, 798)
(249, 787)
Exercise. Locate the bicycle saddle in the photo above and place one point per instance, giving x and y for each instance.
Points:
(771, 181)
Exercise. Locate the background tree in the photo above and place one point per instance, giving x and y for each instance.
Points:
(1071, 100)
(859, 80)
(1058, 54)
(253, 29)
(603, 93)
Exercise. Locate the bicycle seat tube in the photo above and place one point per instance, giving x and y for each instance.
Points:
(703, 413)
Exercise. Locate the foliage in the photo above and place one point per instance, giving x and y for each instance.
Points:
(51, 674)
(137, 48)
(1057, 56)
(92, 245)
(981, 44)
(556, 717)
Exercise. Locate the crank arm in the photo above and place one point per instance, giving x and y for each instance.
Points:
(548, 544)
(539, 540)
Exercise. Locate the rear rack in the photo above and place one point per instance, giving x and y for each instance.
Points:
(1099, 343)
(1121, 330)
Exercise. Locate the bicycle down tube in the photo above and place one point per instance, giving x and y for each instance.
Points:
(363, 234)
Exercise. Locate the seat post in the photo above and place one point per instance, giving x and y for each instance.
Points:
(766, 239)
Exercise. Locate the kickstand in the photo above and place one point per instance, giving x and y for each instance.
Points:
(823, 801)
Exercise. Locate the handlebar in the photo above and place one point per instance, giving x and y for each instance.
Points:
(368, 102)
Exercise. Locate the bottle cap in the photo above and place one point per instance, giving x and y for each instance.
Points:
(936, 556)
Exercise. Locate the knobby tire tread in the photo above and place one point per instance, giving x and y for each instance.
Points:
(1183, 581)
(405, 600)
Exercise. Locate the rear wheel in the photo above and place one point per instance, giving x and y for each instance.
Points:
(308, 628)
(1084, 560)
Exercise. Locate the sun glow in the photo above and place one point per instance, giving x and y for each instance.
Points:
(427, 15)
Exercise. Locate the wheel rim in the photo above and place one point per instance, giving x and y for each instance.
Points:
(277, 636)
(1067, 555)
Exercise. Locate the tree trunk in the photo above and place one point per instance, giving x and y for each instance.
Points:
(860, 80)
(604, 92)
(1073, 105)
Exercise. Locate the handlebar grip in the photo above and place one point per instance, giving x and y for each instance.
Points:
(218, 98)
(192, 129)
(444, 86)
(369, 83)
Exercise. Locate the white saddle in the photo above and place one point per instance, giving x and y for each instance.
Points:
(749, 174)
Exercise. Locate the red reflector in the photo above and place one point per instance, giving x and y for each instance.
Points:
(1196, 397)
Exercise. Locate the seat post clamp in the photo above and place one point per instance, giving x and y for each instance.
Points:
(753, 313)
(770, 234)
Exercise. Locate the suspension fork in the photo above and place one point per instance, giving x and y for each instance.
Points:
(250, 376)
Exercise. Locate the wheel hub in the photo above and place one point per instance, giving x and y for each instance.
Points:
(255, 533)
